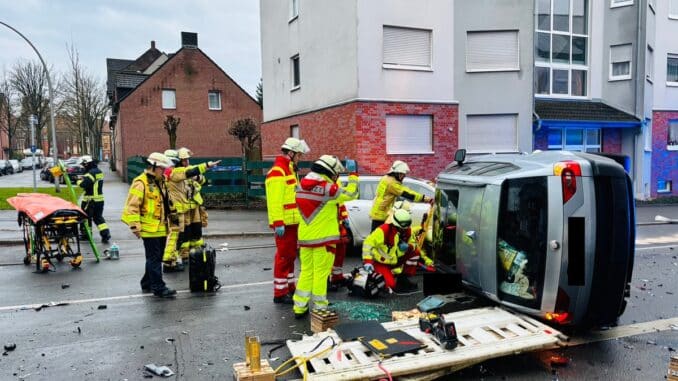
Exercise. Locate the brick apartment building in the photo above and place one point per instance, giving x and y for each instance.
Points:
(187, 85)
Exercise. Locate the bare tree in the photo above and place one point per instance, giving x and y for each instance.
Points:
(8, 120)
(246, 131)
(260, 92)
(171, 124)
(29, 81)
(84, 105)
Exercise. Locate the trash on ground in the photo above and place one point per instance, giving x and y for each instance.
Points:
(102, 307)
(50, 304)
(10, 347)
(247, 308)
(162, 371)
(64, 286)
(169, 339)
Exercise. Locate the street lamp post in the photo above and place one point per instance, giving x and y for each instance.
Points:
(51, 99)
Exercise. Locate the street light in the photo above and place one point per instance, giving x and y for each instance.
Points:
(51, 99)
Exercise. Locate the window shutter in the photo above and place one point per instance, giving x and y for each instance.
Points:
(492, 133)
(620, 53)
(492, 51)
(406, 46)
(409, 134)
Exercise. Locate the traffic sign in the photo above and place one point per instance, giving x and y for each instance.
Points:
(33, 148)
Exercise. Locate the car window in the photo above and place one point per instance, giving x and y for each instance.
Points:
(419, 188)
(482, 169)
(367, 189)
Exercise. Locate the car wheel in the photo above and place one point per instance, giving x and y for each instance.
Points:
(351, 249)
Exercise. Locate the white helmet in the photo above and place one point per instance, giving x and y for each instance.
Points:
(184, 153)
(85, 160)
(402, 219)
(159, 160)
(400, 167)
(173, 155)
(331, 163)
(295, 145)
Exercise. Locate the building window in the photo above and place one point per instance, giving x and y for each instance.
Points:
(561, 48)
(407, 48)
(664, 186)
(673, 135)
(620, 3)
(294, 131)
(214, 100)
(620, 62)
(492, 133)
(169, 99)
(294, 9)
(672, 69)
(649, 64)
(673, 9)
(409, 134)
(574, 139)
(296, 79)
(492, 51)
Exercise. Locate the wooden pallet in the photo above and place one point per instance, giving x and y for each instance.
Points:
(483, 333)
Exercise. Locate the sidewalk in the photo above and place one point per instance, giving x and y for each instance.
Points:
(222, 223)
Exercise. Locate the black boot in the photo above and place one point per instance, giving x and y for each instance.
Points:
(405, 285)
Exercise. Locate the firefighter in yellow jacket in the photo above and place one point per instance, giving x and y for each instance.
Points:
(317, 200)
(145, 213)
(191, 237)
(283, 216)
(178, 179)
(391, 186)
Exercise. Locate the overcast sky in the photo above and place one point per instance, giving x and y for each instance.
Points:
(228, 32)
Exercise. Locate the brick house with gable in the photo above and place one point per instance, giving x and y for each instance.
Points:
(187, 85)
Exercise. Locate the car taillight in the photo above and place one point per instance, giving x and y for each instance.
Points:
(568, 172)
(560, 316)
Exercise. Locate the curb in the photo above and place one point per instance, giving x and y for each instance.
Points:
(20, 242)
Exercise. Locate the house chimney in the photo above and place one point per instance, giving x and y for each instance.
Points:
(189, 40)
(152, 44)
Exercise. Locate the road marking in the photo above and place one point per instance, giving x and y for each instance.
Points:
(121, 297)
(624, 331)
(658, 239)
(655, 247)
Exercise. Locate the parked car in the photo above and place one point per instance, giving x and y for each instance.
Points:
(75, 172)
(16, 166)
(359, 219)
(27, 163)
(550, 234)
(5, 167)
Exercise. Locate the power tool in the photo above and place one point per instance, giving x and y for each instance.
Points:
(444, 333)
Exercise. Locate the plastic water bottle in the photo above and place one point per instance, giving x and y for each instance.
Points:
(114, 251)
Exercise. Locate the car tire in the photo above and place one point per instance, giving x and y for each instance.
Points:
(351, 248)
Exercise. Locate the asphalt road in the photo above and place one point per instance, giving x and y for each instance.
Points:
(199, 336)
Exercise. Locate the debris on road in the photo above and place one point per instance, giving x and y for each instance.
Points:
(169, 339)
(247, 308)
(50, 304)
(162, 371)
(65, 286)
(102, 307)
(10, 347)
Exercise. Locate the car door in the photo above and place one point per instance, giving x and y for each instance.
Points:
(468, 233)
(359, 210)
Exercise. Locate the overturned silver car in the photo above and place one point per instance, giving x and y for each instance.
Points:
(550, 234)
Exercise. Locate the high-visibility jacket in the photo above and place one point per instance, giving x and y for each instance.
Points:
(318, 198)
(93, 184)
(382, 245)
(179, 186)
(195, 186)
(281, 185)
(388, 189)
(144, 210)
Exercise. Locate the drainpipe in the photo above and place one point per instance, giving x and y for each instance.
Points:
(640, 76)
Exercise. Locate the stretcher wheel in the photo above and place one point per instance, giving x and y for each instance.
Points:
(27, 260)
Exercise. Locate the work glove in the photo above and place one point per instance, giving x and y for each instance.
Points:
(280, 230)
(403, 246)
(369, 268)
(211, 164)
(428, 200)
(351, 165)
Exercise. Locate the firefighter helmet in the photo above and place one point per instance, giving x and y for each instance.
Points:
(184, 153)
(402, 219)
(86, 160)
(173, 155)
(159, 160)
(400, 166)
(330, 163)
(295, 145)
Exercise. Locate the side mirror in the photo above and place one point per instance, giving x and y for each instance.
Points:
(460, 156)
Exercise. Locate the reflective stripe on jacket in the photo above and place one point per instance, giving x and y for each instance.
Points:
(382, 245)
(144, 210)
(93, 184)
(281, 186)
(179, 185)
(318, 199)
(388, 189)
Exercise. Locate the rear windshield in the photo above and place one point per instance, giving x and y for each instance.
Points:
(482, 169)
